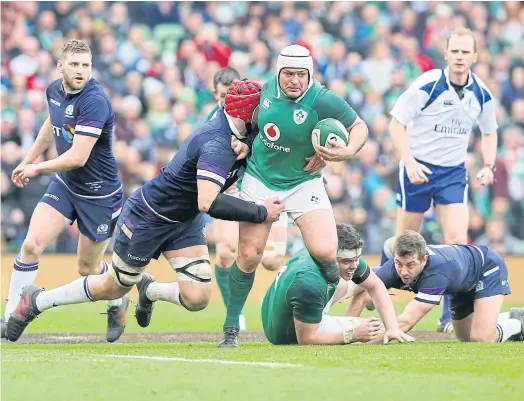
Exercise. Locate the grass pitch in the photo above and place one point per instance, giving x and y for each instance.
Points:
(256, 371)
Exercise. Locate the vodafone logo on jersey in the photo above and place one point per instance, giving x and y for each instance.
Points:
(272, 132)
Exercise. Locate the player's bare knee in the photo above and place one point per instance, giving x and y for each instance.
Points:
(273, 263)
(455, 237)
(196, 300)
(226, 255)
(31, 248)
(87, 267)
(325, 255)
(249, 257)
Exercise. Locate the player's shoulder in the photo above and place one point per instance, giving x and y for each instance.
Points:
(482, 93)
(271, 85)
(94, 91)
(429, 79)
(54, 86)
(213, 135)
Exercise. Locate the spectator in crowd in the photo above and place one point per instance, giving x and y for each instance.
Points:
(156, 60)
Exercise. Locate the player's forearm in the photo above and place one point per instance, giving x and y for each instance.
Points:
(67, 161)
(489, 148)
(229, 208)
(358, 302)
(405, 323)
(42, 142)
(385, 307)
(358, 136)
(400, 140)
(319, 338)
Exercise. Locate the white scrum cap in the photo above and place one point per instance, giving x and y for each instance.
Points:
(295, 56)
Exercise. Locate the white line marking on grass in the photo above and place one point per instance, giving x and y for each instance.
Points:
(218, 361)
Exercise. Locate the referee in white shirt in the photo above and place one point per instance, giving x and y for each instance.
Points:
(430, 127)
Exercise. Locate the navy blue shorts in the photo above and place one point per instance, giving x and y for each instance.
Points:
(96, 216)
(493, 281)
(141, 235)
(446, 185)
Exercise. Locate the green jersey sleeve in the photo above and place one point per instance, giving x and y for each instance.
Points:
(307, 297)
(362, 272)
(330, 105)
(212, 112)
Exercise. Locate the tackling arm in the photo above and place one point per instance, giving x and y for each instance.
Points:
(225, 207)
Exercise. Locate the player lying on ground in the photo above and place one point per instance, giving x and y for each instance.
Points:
(165, 216)
(431, 126)
(474, 277)
(291, 104)
(292, 309)
(86, 187)
(226, 232)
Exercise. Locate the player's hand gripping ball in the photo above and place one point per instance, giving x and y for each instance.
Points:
(327, 131)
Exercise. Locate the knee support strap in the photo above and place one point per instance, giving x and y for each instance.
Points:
(192, 269)
(124, 275)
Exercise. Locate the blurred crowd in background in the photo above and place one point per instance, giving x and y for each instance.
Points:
(156, 61)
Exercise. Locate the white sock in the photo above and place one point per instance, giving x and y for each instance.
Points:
(23, 274)
(114, 302)
(76, 292)
(503, 316)
(507, 328)
(169, 292)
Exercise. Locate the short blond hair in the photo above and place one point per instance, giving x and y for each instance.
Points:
(75, 46)
(463, 32)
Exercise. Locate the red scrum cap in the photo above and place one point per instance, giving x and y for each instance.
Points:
(242, 99)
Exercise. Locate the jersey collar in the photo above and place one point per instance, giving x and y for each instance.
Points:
(469, 84)
(75, 92)
(233, 128)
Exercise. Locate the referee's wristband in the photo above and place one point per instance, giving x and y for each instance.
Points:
(349, 336)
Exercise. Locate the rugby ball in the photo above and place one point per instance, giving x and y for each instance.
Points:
(329, 130)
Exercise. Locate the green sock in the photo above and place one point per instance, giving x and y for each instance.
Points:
(222, 277)
(240, 285)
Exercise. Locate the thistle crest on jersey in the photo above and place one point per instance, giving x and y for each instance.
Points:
(242, 99)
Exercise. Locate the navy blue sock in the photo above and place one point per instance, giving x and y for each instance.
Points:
(446, 313)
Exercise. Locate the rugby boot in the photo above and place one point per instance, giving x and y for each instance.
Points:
(25, 312)
(116, 320)
(144, 307)
(445, 327)
(230, 339)
(517, 313)
(3, 327)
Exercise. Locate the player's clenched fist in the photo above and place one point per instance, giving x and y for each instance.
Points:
(368, 330)
(274, 208)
